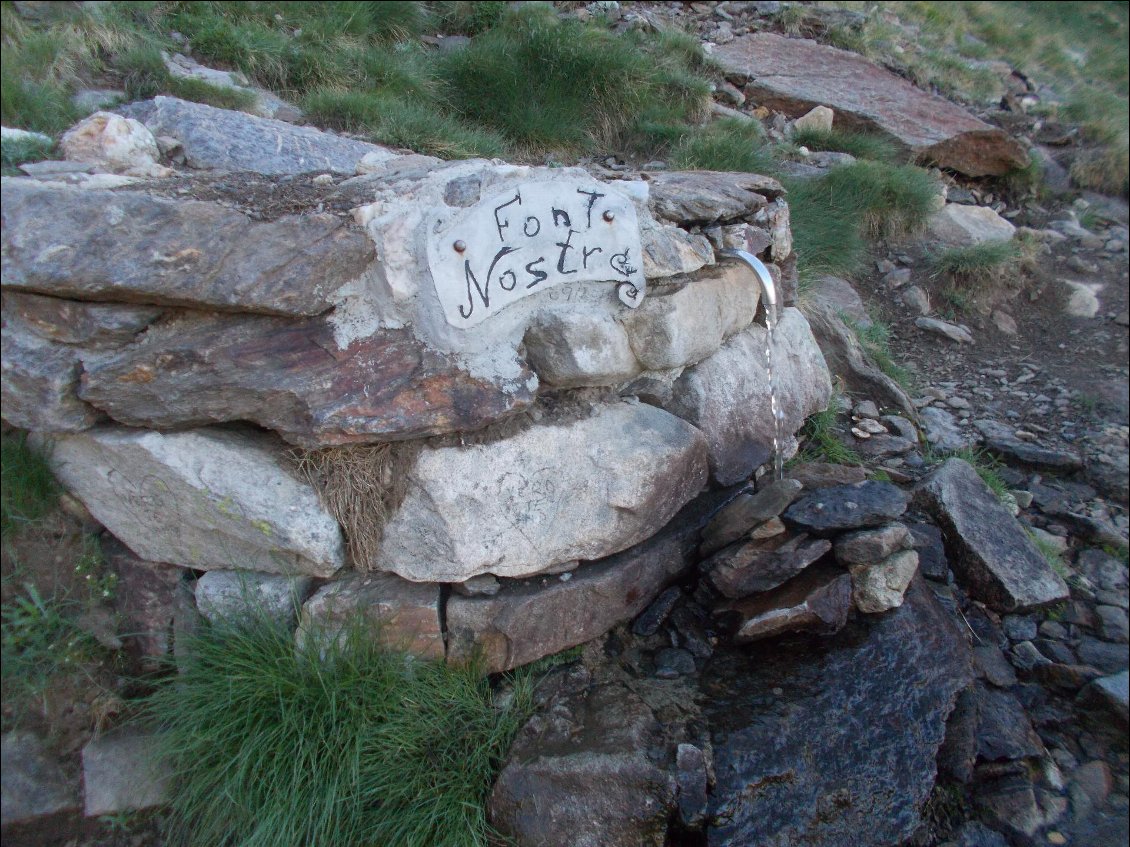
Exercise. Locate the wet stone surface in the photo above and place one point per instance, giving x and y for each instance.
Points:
(783, 780)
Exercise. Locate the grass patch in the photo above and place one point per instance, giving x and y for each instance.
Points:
(832, 215)
(859, 144)
(548, 84)
(876, 342)
(1076, 49)
(274, 747)
(821, 443)
(731, 144)
(39, 640)
(978, 264)
(17, 151)
(28, 489)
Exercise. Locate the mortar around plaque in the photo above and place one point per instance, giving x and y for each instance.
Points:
(530, 238)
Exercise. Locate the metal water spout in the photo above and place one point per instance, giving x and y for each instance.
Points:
(768, 287)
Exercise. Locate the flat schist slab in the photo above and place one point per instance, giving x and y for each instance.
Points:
(132, 246)
(833, 741)
(227, 140)
(987, 547)
(291, 377)
(793, 75)
(581, 488)
(204, 499)
(709, 197)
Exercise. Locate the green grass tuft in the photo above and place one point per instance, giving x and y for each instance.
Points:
(39, 639)
(821, 443)
(983, 462)
(28, 489)
(15, 152)
(275, 747)
(730, 144)
(859, 144)
(466, 18)
(977, 264)
(832, 214)
(876, 342)
(1052, 555)
(548, 84)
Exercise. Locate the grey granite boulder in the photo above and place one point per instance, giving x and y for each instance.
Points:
(727, 395)
(205, 499)
(580, 488)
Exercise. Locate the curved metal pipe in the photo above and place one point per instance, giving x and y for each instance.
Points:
(768, 287)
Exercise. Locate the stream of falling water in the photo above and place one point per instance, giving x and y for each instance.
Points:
(774, 403)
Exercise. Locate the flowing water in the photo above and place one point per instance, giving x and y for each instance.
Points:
(769, 298)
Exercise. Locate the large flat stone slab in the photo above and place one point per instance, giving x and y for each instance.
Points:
(708, 197)
(221, 139)
(727, 395)
(204, 499)
(543, 615)
(987, 548)
(833, 742)
(130, 246)
(793, 75)
(290, 376)
(580, 488)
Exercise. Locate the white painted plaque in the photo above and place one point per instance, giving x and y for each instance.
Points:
(530, 238)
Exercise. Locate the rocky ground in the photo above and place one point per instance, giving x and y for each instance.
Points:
(877, 655)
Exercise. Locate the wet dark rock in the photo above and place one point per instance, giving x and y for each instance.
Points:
(1019, 627)
(578, 774)
(813, 475)
(843, 507)
(1103, 570)
(958, 754)
(654, 615)
(817, 601)
(1057, 651)
(1004, 732)
(1108, 658)
(993, 666)
(746, 511)
(673, 662)
(987, 548)
(691, 781)
(783, 778)
(1025, 656)
(976, 834)
(1111, 693)
(1010, 804)
(1065, 677)
(691, 632)
(756, 566)
(932, 562)
(144, 598)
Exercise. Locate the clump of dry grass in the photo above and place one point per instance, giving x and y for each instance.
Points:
(361, 485)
